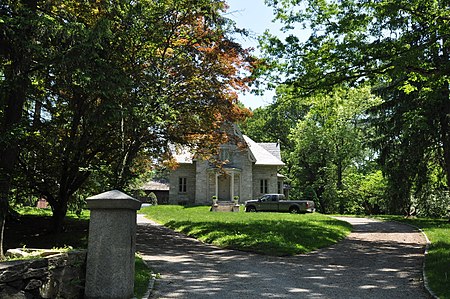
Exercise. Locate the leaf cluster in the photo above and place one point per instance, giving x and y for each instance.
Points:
(109, 85)
(402, 49)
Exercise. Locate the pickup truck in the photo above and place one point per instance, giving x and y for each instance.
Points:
(277, 203)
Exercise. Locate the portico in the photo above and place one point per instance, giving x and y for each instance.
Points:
(227, 183)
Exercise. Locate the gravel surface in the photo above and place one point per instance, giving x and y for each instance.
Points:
(377, 260)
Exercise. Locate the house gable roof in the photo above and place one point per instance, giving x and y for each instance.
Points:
(272, 148)
(261, 155)
(155, 186)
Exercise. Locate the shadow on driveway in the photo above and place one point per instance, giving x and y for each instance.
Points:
(377, 260)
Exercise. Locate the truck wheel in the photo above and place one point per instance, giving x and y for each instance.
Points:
(294, 210)
(251, 209)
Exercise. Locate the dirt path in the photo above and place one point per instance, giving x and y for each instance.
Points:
(377, 260)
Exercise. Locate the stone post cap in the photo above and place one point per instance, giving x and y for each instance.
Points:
(113, 199)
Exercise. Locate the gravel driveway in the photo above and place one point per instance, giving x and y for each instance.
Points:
(377, 260)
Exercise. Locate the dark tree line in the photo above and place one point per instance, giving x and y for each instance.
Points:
(401, 49)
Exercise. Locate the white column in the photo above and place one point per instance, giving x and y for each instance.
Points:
(232, 186)
(217, 186)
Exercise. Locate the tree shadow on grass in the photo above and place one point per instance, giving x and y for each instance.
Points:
(271, 237)
(35, 232)
(438, 268)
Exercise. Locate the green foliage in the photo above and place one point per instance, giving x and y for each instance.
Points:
(325, 146)
(401, 48)
(32, 211)
(107, 86)
(274, 122)
(365, 193)
(408, 131)
(432, 203)
(142, 276)
(310, 194)
(266, 233)
(153, 199)
(329, 140)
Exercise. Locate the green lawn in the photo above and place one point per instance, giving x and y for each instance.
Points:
(437, 261)
(142, 276)
(32, 227)
(265, 233)
(32, 211)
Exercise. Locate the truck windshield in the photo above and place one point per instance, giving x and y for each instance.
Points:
(264, 198)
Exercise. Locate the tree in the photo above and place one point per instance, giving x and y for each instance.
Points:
(18, 51)
(329, 141)
(408, 141)
(274, 122)
(322, 138)
(401, 47)
(118, 83)
(365, 191)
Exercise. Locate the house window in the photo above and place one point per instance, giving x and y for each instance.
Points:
(182, 185)
(280, 188)
(263, 186)
(225, 154)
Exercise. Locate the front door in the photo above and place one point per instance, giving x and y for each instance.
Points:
(224, 187)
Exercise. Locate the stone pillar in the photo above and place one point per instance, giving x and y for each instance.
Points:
(111, 245)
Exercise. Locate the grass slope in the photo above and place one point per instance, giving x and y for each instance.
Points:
(266, 233)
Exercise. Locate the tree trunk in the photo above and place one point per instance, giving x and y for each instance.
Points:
(59, 213)
(13, 100)
(4, 190)
(445, 138)
(60, 203)
(37, 114)
(339, 171)
(445, 117)
(340, 186)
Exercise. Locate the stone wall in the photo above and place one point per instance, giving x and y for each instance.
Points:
(246, 184)
(264, 172)
(57, 276)
(202, 186)
(186, 171)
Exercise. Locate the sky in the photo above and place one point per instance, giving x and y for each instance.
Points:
(256, 17)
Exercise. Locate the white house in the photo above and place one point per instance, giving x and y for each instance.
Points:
(250, 170)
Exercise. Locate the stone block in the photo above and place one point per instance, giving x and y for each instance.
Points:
(32, 273)
(13, 273)
(18, 284)
(225, 207)
(37, 278)
(33, 284)
(11, 293)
